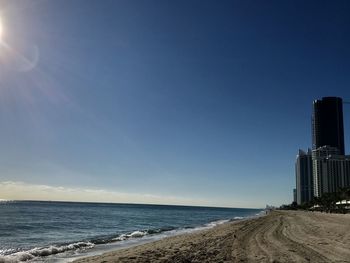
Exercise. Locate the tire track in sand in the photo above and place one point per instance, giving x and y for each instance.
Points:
(265, 240)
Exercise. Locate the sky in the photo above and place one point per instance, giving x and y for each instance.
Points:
(168, 102)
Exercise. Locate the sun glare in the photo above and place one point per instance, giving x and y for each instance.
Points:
(1, 29)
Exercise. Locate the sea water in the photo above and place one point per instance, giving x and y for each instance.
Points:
(63, 231)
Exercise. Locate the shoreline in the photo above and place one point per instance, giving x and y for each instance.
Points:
(280, 236)
(177, 235)
(134, 242)
(163, 236)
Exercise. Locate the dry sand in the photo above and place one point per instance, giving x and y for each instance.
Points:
(281, 236)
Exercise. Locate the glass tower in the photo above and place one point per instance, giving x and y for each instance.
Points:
(327, 123)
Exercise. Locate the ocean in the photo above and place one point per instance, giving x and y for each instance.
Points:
(64, 231)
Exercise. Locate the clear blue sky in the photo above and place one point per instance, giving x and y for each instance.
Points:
(193, 102)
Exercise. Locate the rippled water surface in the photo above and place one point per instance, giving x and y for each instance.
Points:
(36, 230)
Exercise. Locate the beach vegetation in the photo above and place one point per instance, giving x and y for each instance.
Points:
(337, 202)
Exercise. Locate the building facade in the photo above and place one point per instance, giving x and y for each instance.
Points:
(304, 177)
(331, 171)
(327, 123)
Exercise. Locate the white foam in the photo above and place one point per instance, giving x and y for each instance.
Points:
(43, 252)
(214, 223)
(137, 234)
(16, 257)
(7, 251)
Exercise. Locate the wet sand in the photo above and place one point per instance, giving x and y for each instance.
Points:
(281, 236)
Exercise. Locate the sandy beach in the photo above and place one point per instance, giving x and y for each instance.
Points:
(281, 236)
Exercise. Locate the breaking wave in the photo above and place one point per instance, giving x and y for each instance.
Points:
(43, 252)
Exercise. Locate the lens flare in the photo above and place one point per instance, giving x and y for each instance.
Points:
(1, 29)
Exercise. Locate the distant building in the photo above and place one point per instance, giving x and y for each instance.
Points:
(304, 177)
(331, 170)
(295, 195)
(327, 123)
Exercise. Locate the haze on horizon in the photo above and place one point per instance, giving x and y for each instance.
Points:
(167, 102)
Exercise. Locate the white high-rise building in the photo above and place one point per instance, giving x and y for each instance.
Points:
(331, 170)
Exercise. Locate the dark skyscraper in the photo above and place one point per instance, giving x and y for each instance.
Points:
(327, 123)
